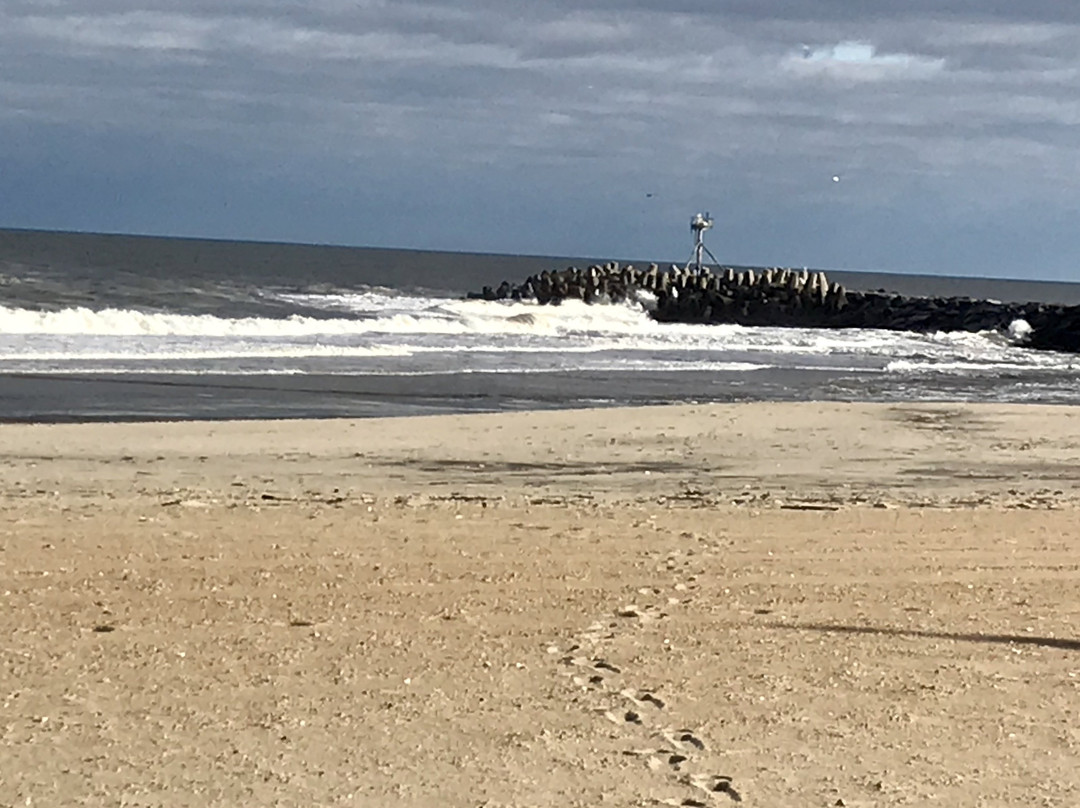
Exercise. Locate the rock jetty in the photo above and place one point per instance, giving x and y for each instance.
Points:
(788, 298)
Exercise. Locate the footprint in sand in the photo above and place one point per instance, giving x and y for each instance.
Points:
(596, 663)
(719, 786)
(714, 784)
(683, 737)
(640, 698)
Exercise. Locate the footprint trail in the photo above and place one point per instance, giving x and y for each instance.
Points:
(613, 691)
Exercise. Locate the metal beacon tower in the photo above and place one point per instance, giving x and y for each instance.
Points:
(698, 225)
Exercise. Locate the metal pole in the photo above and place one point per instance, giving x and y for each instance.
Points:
(698, 225)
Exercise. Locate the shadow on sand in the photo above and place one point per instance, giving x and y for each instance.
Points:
(1004, 639)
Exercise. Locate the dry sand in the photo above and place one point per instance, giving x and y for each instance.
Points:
(828, 604)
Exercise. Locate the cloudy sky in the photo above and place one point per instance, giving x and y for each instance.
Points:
(936, 136)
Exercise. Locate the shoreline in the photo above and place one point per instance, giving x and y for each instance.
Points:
(27, 398)
(911, 453)
(791, 603)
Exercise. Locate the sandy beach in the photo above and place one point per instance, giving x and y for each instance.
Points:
(766, 604)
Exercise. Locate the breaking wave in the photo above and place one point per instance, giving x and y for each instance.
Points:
(380, 331)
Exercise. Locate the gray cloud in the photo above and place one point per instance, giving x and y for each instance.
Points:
(970, 104)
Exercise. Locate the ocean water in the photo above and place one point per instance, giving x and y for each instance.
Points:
(117, 327)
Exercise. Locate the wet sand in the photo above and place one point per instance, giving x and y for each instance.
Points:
(828, 604)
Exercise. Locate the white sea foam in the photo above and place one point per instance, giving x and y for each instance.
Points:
(958, 367)
(380, 332)
(444, 317)
(260, 370)
(125, 322)
(200, 352)
(1020, 330)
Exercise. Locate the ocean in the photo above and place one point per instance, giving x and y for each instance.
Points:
(109, 327)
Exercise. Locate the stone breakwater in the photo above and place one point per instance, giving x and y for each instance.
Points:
(789, 298)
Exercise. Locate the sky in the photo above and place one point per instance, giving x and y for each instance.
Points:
(925, 136)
